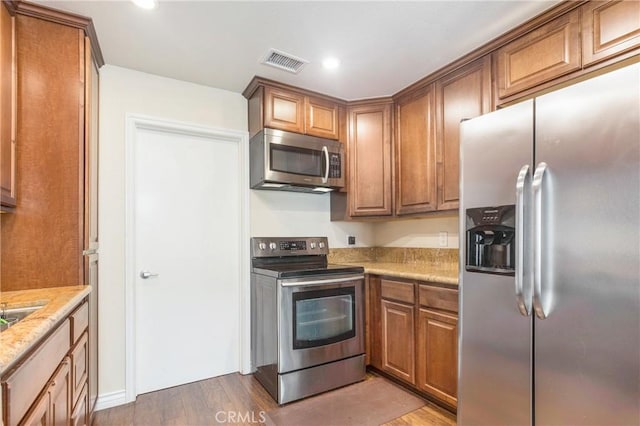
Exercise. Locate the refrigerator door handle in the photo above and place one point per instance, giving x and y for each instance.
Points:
(523, 293)
(538, 210)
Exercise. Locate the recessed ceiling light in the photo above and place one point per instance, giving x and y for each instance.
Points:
(331, 63)
(146, 4)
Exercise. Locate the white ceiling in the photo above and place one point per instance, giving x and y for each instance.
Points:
(384, 46)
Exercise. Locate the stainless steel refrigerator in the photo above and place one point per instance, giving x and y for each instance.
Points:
(550, 258)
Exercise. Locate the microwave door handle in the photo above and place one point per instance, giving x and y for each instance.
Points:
(326, 164)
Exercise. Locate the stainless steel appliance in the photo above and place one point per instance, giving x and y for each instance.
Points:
(286, 161)
(557, 340)
(307, 318)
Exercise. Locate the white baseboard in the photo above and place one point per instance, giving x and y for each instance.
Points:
(111, 399)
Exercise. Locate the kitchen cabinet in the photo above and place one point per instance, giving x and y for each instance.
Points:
(609, 28)
(397, 320)
(7, 109)
(286, 108)
(415, 148)
(539, 56)
(462, 94)
(437, 342)
(412, 335)
(369, 157)
(56, 168)
(50, 384)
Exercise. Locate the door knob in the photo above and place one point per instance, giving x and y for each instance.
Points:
(146, 274)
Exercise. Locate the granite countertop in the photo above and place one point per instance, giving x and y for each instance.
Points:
(19, 339)
(443, 274)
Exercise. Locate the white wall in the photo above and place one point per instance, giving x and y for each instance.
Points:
(125, 91)
(417, 232)
(287, 214)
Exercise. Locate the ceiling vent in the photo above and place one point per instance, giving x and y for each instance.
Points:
(284, 61)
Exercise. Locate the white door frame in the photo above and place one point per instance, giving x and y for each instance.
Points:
(134, 123)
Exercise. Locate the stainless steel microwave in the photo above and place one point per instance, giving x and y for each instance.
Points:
(286, 161)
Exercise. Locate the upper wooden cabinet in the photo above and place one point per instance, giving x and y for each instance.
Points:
(415, 151)
(7, 109)
(463, 94)
(369, 156)
(609, 28)
(291, 110)
(542, 55)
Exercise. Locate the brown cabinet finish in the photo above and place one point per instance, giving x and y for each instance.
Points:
(542, 55)
(397, 290)
(373, 333)
(44, 238)
(415, 153)
(438, 297)
(7, 109)
(283, 110)
(609, 28)
(322, 118)
(369, 148)
(438, 355)
(60, 391)
(463, 94)
(398, 350)
(80, 415)
(79, 367)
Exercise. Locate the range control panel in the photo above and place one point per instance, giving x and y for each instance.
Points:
(335, 166)
(270, 247)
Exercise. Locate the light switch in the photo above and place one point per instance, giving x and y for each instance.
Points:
(443, 239)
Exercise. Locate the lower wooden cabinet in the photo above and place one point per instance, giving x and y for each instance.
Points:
(437, 339)
(398, 354)
(49, 387)
(412, 335)
(53, 407)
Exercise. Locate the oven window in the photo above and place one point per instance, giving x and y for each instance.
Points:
(323, 317)
(299, 161)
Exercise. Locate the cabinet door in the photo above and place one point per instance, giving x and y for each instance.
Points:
(463, 94)
(60, 390)
(321, 118)
(40, 414)
(438, 355)
(369, 152)
(7, 109)
(415, 153)
(283, 110)
(398, 340)
(80, 416)
(79, 367)
(541, 55)
(609, 28)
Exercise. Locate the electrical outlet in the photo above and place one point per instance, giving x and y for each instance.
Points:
(443, 239)
(351, 240)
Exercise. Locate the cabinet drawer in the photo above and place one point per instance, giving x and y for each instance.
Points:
(79, 367)
(397, 290)
(22, 387)
(79, 321)
(438, 298)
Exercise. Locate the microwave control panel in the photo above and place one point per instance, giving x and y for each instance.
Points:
(335, 166)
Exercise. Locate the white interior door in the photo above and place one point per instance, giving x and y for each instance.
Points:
(187, 235)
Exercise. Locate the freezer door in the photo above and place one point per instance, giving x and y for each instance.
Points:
(587, 350)
(494, 381)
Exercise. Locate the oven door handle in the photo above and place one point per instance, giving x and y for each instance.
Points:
(299, 282)
(325, 178)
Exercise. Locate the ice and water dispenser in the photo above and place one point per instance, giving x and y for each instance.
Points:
(491, 240)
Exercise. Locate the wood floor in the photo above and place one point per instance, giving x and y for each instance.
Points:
(201, 402)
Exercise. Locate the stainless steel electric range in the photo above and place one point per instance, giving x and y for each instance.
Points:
(307, 318)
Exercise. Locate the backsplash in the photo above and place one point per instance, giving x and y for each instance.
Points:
(406, 255)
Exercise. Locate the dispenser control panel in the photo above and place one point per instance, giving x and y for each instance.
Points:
(491, 240)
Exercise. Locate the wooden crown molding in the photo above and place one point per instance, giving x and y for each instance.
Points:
(258, 81)
(21, 7)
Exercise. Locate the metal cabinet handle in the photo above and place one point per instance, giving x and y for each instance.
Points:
(523, 296)
(146, 274)
(326, 164)
(538, 210)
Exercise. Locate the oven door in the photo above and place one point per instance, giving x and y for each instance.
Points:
(321, 320)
